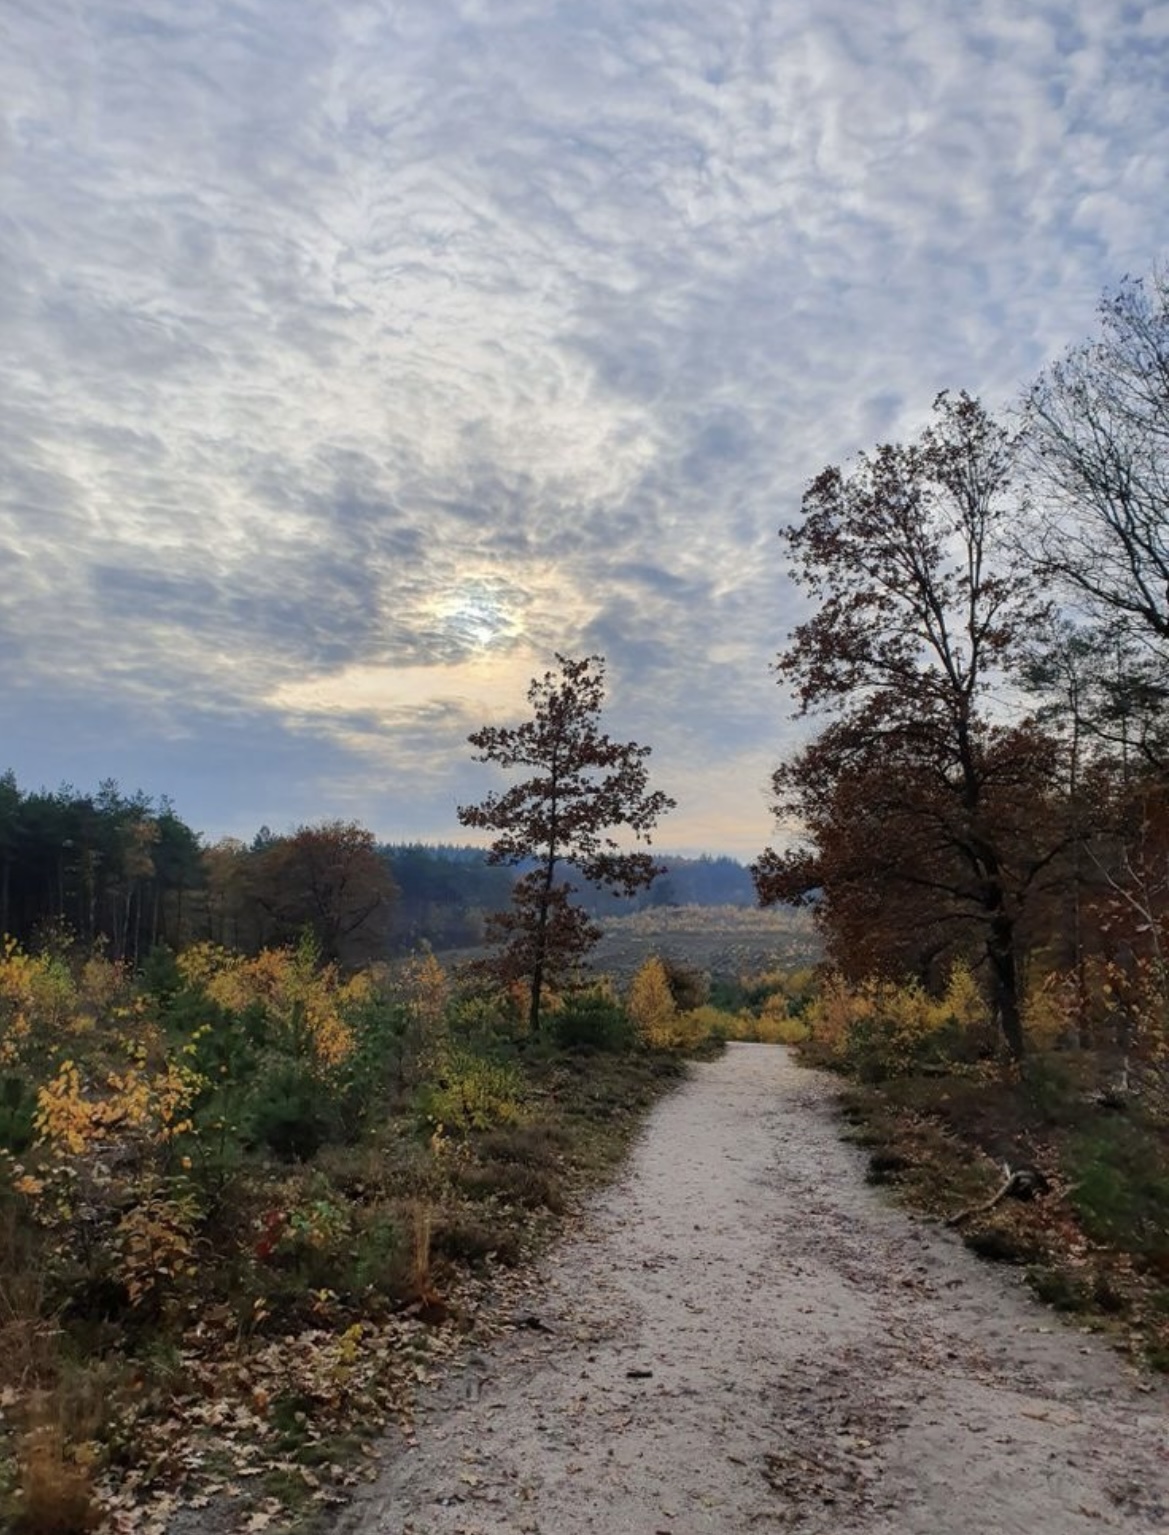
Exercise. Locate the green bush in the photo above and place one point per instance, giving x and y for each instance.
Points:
(290, 1112)
(161, 976)
(384, 1059)
(224, 1046)
(18, 1106)
(381, 1255)
(1120, 1171)
(1059, 1289)
(472, 1093)
(1050, 1089)
(590, 1021)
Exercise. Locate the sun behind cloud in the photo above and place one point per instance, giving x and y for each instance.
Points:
(475, 617)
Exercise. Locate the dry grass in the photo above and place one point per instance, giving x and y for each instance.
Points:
(54, 1492)
(420, 1279)
(27, 1334)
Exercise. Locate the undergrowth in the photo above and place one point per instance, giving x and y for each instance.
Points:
(243, 1201)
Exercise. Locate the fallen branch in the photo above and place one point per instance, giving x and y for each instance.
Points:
(1019, 1183)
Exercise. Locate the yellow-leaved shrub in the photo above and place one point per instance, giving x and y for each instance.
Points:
(651, 1006)
(38, 1001)
(308, 1004)
(474, 1093)
(879, 1028)
(73, 1118)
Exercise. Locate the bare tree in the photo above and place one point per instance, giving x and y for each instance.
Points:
(1098, 441)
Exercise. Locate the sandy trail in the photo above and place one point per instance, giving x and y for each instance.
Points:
(745, 1337)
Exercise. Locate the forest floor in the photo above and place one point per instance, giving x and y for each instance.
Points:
(742, 1335)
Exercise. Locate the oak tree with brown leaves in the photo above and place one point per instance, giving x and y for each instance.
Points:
(329, 880)
(579, 786)
(925, 812)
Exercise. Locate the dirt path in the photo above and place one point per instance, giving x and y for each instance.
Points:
(747, 1338)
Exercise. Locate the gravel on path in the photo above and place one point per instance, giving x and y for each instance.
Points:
(745, 1337)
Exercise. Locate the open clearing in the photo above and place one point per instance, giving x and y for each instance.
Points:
(743, 1336)
(729, 943)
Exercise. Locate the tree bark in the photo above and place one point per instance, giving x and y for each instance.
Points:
(1001, 951)
(541, 945)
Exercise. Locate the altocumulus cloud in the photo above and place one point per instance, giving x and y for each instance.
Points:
(355, 357)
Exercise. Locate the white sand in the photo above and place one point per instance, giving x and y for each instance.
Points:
(820, 1362)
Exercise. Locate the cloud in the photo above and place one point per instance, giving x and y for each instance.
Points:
(362, 344)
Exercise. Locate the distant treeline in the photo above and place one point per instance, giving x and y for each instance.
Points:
(445, 890)
(126, 873)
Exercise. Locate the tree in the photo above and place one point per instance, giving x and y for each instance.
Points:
(1098, 444)
(92, 867)
(9, 834)
(651, 1005)
(580, 786)
(915, 801)
(330, 879)
(177, 871)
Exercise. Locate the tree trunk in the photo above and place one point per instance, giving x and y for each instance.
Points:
(1000, 950)
(540, 954)
(538, 967)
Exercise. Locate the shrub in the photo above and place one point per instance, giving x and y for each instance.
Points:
(305, 1006)
(689, 986)
(1003, 1244)
(1048, 1008)
(651, 1005)
(590, 1020)
(1121, 1186)
(472, 1093)
(18, 1106)
(54, 1495)
(705, 1024)
(381, 1255)
(524, 1143)
(779, 1029)
(789, 991)
(161, 976)
(772, 1026)
(529, 1187)
(35, 985)
(156, 1238)
(463, 1239)
(879, 1030)
(385, 1055)
(1051, 1092)
(480, 1019)
(290, 1112)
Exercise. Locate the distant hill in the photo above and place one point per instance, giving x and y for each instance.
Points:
(447, 889)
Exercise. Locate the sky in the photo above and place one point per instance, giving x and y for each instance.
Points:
(356, 356)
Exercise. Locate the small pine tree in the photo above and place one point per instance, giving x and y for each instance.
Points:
(582, 787)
